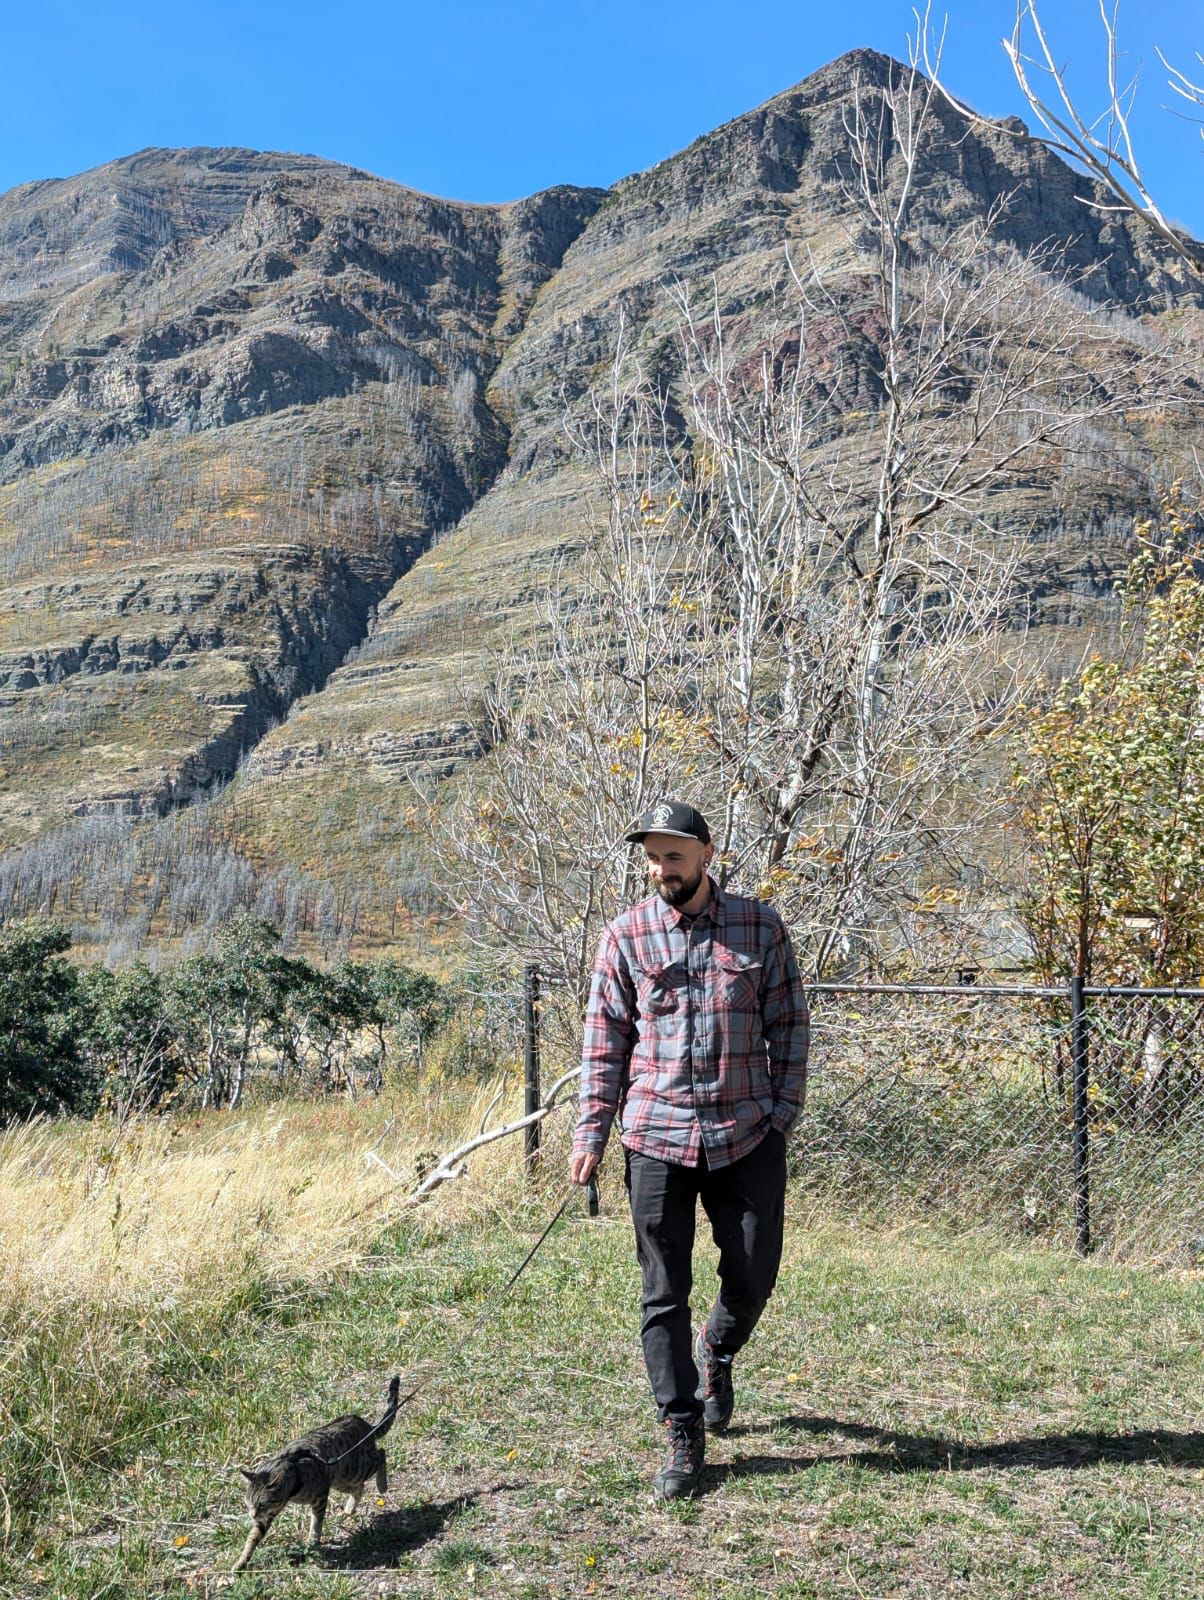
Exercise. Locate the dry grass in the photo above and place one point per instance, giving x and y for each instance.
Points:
(179, 1208)
(921, 1414)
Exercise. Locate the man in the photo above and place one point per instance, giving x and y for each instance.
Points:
(696, 1032)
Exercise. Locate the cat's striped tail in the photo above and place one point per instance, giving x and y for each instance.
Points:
(392, 1406)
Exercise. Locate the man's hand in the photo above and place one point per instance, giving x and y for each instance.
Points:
(583, 1166)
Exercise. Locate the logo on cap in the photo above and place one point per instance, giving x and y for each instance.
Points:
(661, 815)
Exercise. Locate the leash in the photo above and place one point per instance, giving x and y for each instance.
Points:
(395, 1404)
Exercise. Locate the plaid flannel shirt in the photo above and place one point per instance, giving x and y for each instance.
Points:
(696, 1031)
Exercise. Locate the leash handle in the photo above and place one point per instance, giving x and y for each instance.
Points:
(591, 1195)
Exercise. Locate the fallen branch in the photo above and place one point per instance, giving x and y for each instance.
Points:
(454, 1164)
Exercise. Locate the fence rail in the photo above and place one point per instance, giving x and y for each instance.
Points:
(1073, 1113)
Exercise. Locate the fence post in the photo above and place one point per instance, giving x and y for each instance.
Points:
(1080, 1109)
(531, 1091)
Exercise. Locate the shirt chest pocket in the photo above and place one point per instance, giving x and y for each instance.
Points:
(659, 989)
(738, 979)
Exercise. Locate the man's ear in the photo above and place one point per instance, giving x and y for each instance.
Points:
(707, 854)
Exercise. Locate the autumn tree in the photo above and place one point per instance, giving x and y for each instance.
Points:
(1112, 784)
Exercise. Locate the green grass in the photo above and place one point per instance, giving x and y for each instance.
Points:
(917, 1416)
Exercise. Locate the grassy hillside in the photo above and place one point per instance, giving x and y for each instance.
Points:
(919, 1415)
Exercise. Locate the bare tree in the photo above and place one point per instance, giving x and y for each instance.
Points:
(588, 717)
(802, 614)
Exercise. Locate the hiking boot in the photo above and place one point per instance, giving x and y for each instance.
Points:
(714, 1385)
(681, 1474)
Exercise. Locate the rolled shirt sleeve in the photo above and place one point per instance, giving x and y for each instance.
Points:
(610, 1031)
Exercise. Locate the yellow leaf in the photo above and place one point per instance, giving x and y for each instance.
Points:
(181, 1540)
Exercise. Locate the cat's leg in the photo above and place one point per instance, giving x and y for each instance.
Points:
(317, 1513)
(382, 1475)
(353, 1500)
(258, 1528)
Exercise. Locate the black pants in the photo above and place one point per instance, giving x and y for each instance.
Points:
(745, 1204)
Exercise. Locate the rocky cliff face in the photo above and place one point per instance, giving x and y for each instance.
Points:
(281, 443)
(130, 694)
(189, 291)
(240, 393)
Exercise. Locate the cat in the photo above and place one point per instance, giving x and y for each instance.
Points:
(340, 1456)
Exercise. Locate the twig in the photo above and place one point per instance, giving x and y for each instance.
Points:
(371, 1156)
(384, 1134)
(490, 1109)
(1109, 160)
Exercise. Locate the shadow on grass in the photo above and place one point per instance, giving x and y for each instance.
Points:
(918, 1452)
(391, 1535)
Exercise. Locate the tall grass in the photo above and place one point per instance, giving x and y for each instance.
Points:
(193, 1208)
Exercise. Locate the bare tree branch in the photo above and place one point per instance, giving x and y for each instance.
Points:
(1103, 148)
(454, 1163)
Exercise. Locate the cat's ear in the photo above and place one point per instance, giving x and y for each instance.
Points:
(250, 1476)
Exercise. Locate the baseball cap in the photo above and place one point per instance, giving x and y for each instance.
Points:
(671, 816)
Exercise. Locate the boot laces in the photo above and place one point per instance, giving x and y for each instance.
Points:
(716, 1375)
(685, 1439)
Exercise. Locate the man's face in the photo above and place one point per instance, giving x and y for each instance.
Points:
(676, 866)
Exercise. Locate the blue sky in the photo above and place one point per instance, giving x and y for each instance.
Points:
(490, 102)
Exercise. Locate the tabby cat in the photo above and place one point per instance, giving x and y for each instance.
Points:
(340, 1456)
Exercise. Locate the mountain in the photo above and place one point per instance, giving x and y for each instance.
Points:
(282, 455)
(241, 393)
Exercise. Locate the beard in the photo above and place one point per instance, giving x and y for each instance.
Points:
(680, 890)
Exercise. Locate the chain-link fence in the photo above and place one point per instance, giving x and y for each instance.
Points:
(1146, 1123)
(1072, 1115)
